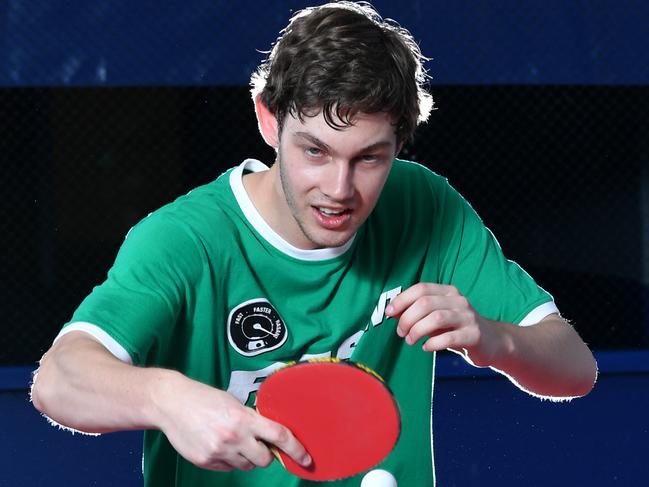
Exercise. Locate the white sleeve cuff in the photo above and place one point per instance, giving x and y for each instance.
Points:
(538, 313)
(101, 336)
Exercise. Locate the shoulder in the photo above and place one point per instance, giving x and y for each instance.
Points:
(402, 168)
(418, 201)
(191, 221)
(413, 184)
(203, 208)
(416, 179)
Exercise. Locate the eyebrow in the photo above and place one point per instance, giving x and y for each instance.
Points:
(317, 142)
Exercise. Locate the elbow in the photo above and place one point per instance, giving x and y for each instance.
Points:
(38, 393)
(578, 383)
(580, 389)
(584, 372)
(589, 377)
(43, 390)
(35, 396)
(583, 382)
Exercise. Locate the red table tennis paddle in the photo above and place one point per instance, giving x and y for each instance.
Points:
(342, 412)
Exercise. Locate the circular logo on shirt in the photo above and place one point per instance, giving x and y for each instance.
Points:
(255, 327)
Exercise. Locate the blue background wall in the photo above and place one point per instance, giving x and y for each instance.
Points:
(121, 42)
(487, 432)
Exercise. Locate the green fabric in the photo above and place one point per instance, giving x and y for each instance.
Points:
(179, 284)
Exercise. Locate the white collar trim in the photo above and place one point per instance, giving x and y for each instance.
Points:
(253, 216)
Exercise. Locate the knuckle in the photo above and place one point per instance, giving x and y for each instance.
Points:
(421, 287)
(416, 290)
(450, 340)
(453, 290)
(473, 337)
(266, 459)
(438, 316)
(469, 317)
(237, 418)
(428, 301)
(424, 302)
(217, 450)
(205, 460)
(281, 435)
(228, 437)
(200, 460)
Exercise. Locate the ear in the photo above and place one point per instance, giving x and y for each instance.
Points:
(267, 123)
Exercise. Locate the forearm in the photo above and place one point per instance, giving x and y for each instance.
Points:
(81, 385)
(548, 359)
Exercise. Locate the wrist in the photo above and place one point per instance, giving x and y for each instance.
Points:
(504, 343)
(163, 388)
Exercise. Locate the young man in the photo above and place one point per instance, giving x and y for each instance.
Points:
(339, 248)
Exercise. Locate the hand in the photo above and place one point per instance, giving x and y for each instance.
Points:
(441, 313)
(213, 430)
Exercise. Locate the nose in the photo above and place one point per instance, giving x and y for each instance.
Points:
(339, 181)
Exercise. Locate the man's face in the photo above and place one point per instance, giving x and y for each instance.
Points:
(331, 179)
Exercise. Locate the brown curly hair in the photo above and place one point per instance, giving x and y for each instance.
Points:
(342, 58)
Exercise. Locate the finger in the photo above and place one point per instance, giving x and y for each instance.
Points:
(421, 309)
(406, 298)
(451, 339)
(218, 466)
(277, 435)
(435, 323)
(425, 306)
(235, 462)
(243, 463)
(258, 453)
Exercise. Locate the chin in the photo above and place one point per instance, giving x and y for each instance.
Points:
(331, 241)
(317, 237)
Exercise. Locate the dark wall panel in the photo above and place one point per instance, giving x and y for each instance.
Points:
(556, 172)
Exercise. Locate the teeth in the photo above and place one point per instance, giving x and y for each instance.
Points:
(327, 211)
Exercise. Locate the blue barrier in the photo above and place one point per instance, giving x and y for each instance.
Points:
(487, 432)
(448, 366)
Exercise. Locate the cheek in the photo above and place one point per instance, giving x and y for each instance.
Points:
(300, 177)
(371, 187)
(303, 177)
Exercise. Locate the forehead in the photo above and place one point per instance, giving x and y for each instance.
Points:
(366, 129)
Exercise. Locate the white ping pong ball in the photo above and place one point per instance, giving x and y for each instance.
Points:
(379, 478)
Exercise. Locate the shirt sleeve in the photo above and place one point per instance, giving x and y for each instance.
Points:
(473, 261)
(146, 289)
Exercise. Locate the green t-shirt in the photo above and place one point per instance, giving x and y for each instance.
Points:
(192, 278)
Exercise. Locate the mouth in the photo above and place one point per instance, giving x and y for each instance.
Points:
(332, 218)
(331, 211)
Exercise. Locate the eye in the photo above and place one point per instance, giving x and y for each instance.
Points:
(369, 158)
(313, 151)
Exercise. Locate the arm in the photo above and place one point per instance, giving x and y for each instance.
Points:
(547, 359)
(83, 386)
